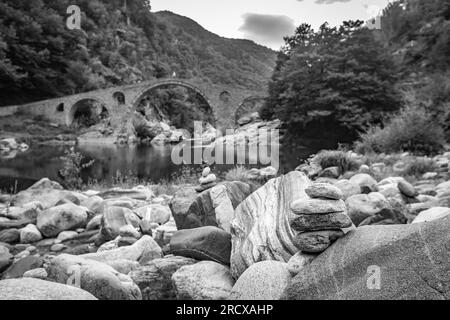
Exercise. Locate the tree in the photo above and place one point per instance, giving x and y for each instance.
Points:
(341, 77)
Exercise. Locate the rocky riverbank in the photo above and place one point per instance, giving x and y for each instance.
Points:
(314, 233)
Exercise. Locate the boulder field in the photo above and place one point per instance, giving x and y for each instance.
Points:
(313, 233)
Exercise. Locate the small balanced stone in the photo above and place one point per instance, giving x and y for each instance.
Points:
(317, 206)
(317, 241)
(325, 191)
(330, 221)
(206, 172)
(208, 179)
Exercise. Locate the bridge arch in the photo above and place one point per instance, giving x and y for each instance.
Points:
(141, 94)
(247, 106)
(86, 107)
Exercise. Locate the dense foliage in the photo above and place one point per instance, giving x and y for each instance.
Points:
(121, 42)
(339, 77)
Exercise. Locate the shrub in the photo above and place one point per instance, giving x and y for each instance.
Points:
(336, 158)
(73, 164)
(420, 165)
(412, 130)
(238, 173)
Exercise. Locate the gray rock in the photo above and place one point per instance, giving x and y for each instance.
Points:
(154, 213)
(61, 218)
(138, 193)
(407, 189)
(36, 289)
(317, 241)
(129, 231)
(154, 279)
(331, 172)
(317, 206)
(412, 262)
(142, 251)
(348, 188)
(95, 277)
(366, 182)
(67, 235)
(363, 206)
(299, 261)
(214, 207)
(6, 258)
(206, 280)
(331, 221)
(324, 190)
(95, 223)
(265, 280)
(432, 214)
(205, 243)
(30, 234)
(38, 273)
(18, 268)
(115, 218)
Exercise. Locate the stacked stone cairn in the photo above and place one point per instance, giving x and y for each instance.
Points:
(318, 221)
(207, 181)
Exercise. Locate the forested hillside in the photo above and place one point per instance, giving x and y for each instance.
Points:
(350, 79)
(121, 42)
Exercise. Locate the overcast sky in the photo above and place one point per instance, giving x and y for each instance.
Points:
(267, 21)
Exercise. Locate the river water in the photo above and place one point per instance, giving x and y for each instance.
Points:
(146, 162)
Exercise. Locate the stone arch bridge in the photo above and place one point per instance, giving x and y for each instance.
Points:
(223, 100)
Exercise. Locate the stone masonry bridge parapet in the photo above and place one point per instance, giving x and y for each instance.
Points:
(223, 100)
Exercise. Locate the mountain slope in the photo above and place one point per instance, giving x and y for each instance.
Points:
(121, 42)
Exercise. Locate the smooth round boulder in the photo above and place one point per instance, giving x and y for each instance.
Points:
(348, 188)
(30, 234)
(205, 243)
(6, 258)
(366, 182)
(324, 190)
(363, 206)
(10, 236)
(36, 289)
(61, 218)
(206, 280)
(317, 206)
(264, 280)
(407, 189)
(298, 261)
(432, 214)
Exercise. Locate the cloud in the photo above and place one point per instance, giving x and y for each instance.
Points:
(328, 1)
(267, 29)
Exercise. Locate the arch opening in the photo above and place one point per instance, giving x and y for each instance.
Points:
(171, 106)
(87, 113)
(249, 110)
(60, 107)
(119, 97)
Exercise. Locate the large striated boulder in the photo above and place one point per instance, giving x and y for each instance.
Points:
(114, 218)
(264, 280)
(205, 243)
(61, 218)
(206, 280)
(95, 277)
(35, 289)
(154, 278)
(409, 261)
(261, 230)
(214, 207)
